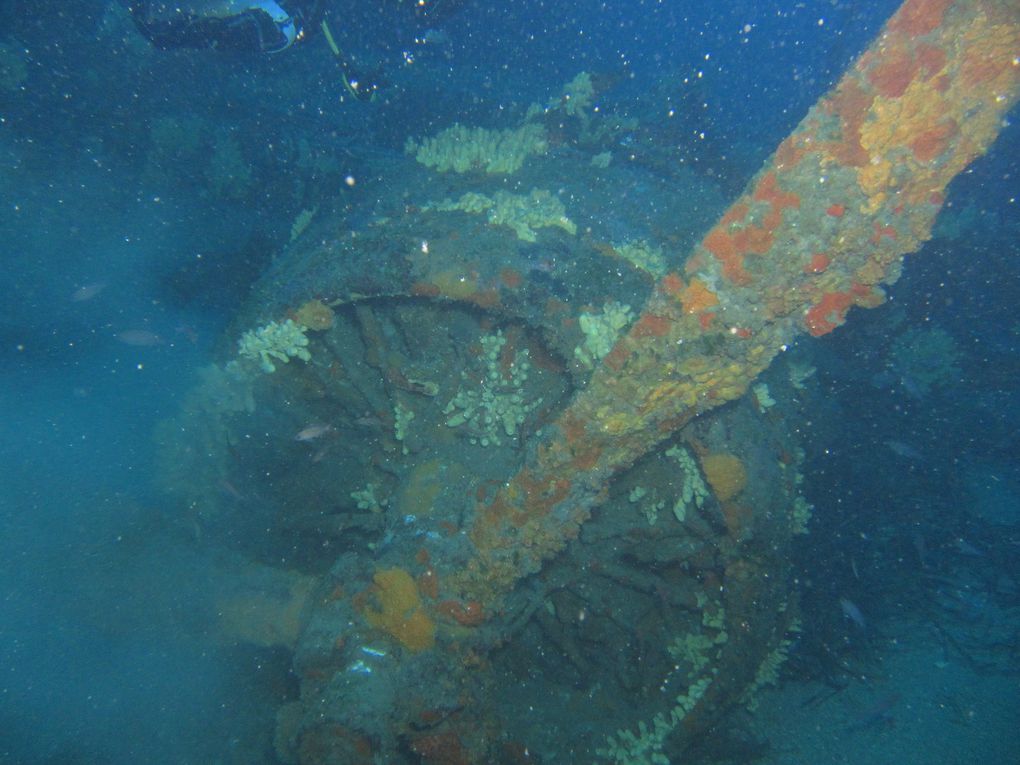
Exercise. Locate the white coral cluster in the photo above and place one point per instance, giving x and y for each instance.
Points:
(274, 342)
(464, 150)
(644, 256)
(693, 491)
(646, 748)
(493, 408)
(538, 209)
(601, 331)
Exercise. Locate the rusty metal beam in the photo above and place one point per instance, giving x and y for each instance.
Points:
(818, 231)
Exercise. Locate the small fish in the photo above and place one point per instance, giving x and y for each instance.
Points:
(141, 338)
(912, 388)
(433, 36)
(541, 264)
(966, 548)
(905, 450)
(921, 547)
(312, 431)
(87, 292)
(853, 613)
(230, 490)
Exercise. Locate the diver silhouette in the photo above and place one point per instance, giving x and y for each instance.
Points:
(262, 26)
(247, 26)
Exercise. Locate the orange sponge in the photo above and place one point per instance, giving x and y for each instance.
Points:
(726, 475)
(401, 613)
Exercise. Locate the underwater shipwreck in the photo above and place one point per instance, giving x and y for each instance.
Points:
(508, 488)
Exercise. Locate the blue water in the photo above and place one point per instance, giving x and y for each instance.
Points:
(123, 268)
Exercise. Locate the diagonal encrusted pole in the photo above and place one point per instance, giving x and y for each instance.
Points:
(855, 187)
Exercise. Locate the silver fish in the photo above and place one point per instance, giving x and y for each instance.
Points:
(139, 337)
(312, 431)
